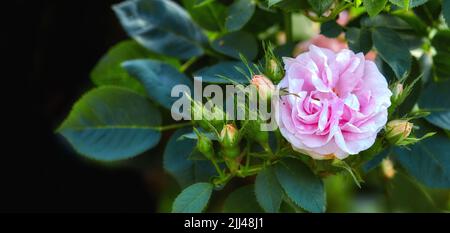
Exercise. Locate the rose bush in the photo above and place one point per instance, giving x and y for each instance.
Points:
(340, 114)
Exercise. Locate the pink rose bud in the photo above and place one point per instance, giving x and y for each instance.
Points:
(398, 130)
(229, 141)
(337, 102)
(264, 86)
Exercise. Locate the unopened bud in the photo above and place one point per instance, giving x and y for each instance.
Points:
(398, 130)
(264, 86)
(229, 141)
(388, 168)
(229, 135)
(397, 91)
(204, 145)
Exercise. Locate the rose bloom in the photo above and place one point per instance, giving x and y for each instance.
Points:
(331, 104)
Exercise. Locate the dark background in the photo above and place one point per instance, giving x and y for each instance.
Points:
(51, 47)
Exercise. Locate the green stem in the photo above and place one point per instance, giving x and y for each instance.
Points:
(188, 63)
(214, 162)
(173, 126)
(288, 27)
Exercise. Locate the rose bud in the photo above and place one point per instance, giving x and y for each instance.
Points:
(229, 141)
(398, 130)
(204, 145)
(264, 86)
(397, 91)
(387, 166)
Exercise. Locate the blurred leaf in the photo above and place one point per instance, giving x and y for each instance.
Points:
(293, 5)
(239, 13)
(268, 191)
(441, 60)
(208, 14)
(429, 12)
(301, 185)
(330, 29)
(434, 98)
(413, 21)
(408, 3)
(273, 2)
(229, 69)
(446, 11)
(176, 161)
(405, 195)
(109, 72)
(161, 26)
(242, 200)
(428, 160)
(359, 40)
(393, 51)
(385, 21)
(376, 160)
(112, 123)
(374, 7)
(236, 43)
(320, 6)
(193, 199)
(158, 79)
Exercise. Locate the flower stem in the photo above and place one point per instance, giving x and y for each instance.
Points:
(188, 63)
(288, 26)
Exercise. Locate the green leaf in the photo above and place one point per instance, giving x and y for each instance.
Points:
(193, 199)
(236, 43)
(239, 13)
(434, 98)
(291, 5)
(402, 186)
(359, 40)
(112, 123)
(242, 200)
(408, 3)
(320, 6)
(386, 21)
(430, 12)
(428, 160)
(161, 26)
(446, 11)
(301, 185)
(374, 7)
(269, 193)
(109, 72)
(158, 79)
(273, 2)
(442, 57)
(176, 160)
(392, 50)
(208, 14)
(330, 29)
(223, 72)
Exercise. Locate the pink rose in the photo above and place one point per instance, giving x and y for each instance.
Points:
(333, 105)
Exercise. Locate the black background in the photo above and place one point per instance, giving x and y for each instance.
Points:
(51, 46)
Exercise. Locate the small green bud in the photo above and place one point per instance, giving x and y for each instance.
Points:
(397, 131)
(204, 145)
(397, 92)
